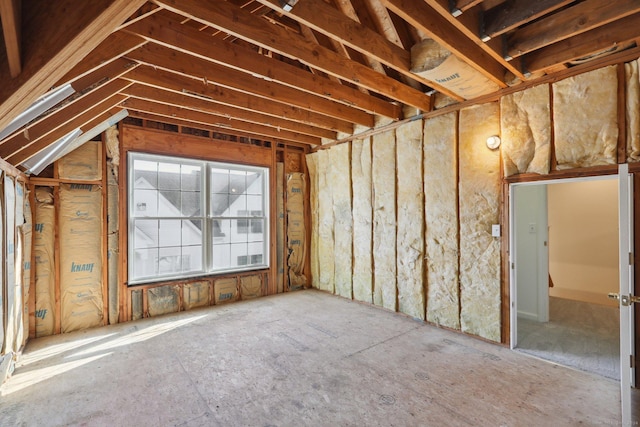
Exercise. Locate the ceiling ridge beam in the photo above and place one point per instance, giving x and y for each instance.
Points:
(233, 20)
(163, 30)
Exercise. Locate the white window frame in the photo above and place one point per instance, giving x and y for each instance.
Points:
(205, 215)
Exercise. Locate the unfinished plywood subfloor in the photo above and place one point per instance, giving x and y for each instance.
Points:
(301, 358)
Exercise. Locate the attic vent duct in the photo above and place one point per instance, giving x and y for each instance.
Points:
(44, 103)
(44, 158)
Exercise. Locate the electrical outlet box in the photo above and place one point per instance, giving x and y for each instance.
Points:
(495, 230)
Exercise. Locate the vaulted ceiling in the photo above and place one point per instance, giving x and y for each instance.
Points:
(278, 70)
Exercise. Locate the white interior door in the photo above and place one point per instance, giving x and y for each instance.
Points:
(625, 296)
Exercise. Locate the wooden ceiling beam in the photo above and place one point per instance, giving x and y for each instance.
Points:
(25, 152)
(331, 22)
(172, 60)
(458, 7)
(180, 84)
(163, 30)
(469, 24)
(50, 123)
(606, 37)
(514, 13)
(233, 20)
(567, 23)
(421, 15)
(56, 36)
(263, 132)
(149, 93)
(109, 71)
(113, 47)
(11, 15)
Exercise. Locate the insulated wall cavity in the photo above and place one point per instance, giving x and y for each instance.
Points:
(410, 235)
(585, 117)
(384, 219)
(441, 215)
(43, 247)
(13, 313)
(280, 226)
(342, 218)
(296, 230)
(362, 220)
(633, 111)
(83, 163)
(326, 258)
(27, 239)
(80, 256)
(312, 162)
(113, 236)
(479, 200)
(526, 131)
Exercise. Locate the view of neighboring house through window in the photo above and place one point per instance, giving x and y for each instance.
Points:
(190, 217)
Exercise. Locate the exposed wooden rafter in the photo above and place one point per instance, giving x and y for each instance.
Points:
(319, 71)
(56, 35)
(233, 20)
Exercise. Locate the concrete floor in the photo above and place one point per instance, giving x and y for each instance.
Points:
(303, 358)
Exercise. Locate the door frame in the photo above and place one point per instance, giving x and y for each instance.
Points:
(628, 221)
(513, 312)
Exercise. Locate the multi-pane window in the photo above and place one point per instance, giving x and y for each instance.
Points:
(189, 217)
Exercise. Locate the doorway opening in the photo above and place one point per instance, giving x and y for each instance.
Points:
(566, 260)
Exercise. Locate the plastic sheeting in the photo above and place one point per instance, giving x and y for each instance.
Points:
(384, 219)
(11, 293)
(441, 215)
(163, 300)
(196, 294)
(342, 218)
(83, 163)
(525, 119)
(585, 118)
(80, 256)
(296, 230)
(43, 247)
(362, 220)
(250, 287)
(479, 192)
(27, 240)
(410, 235)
